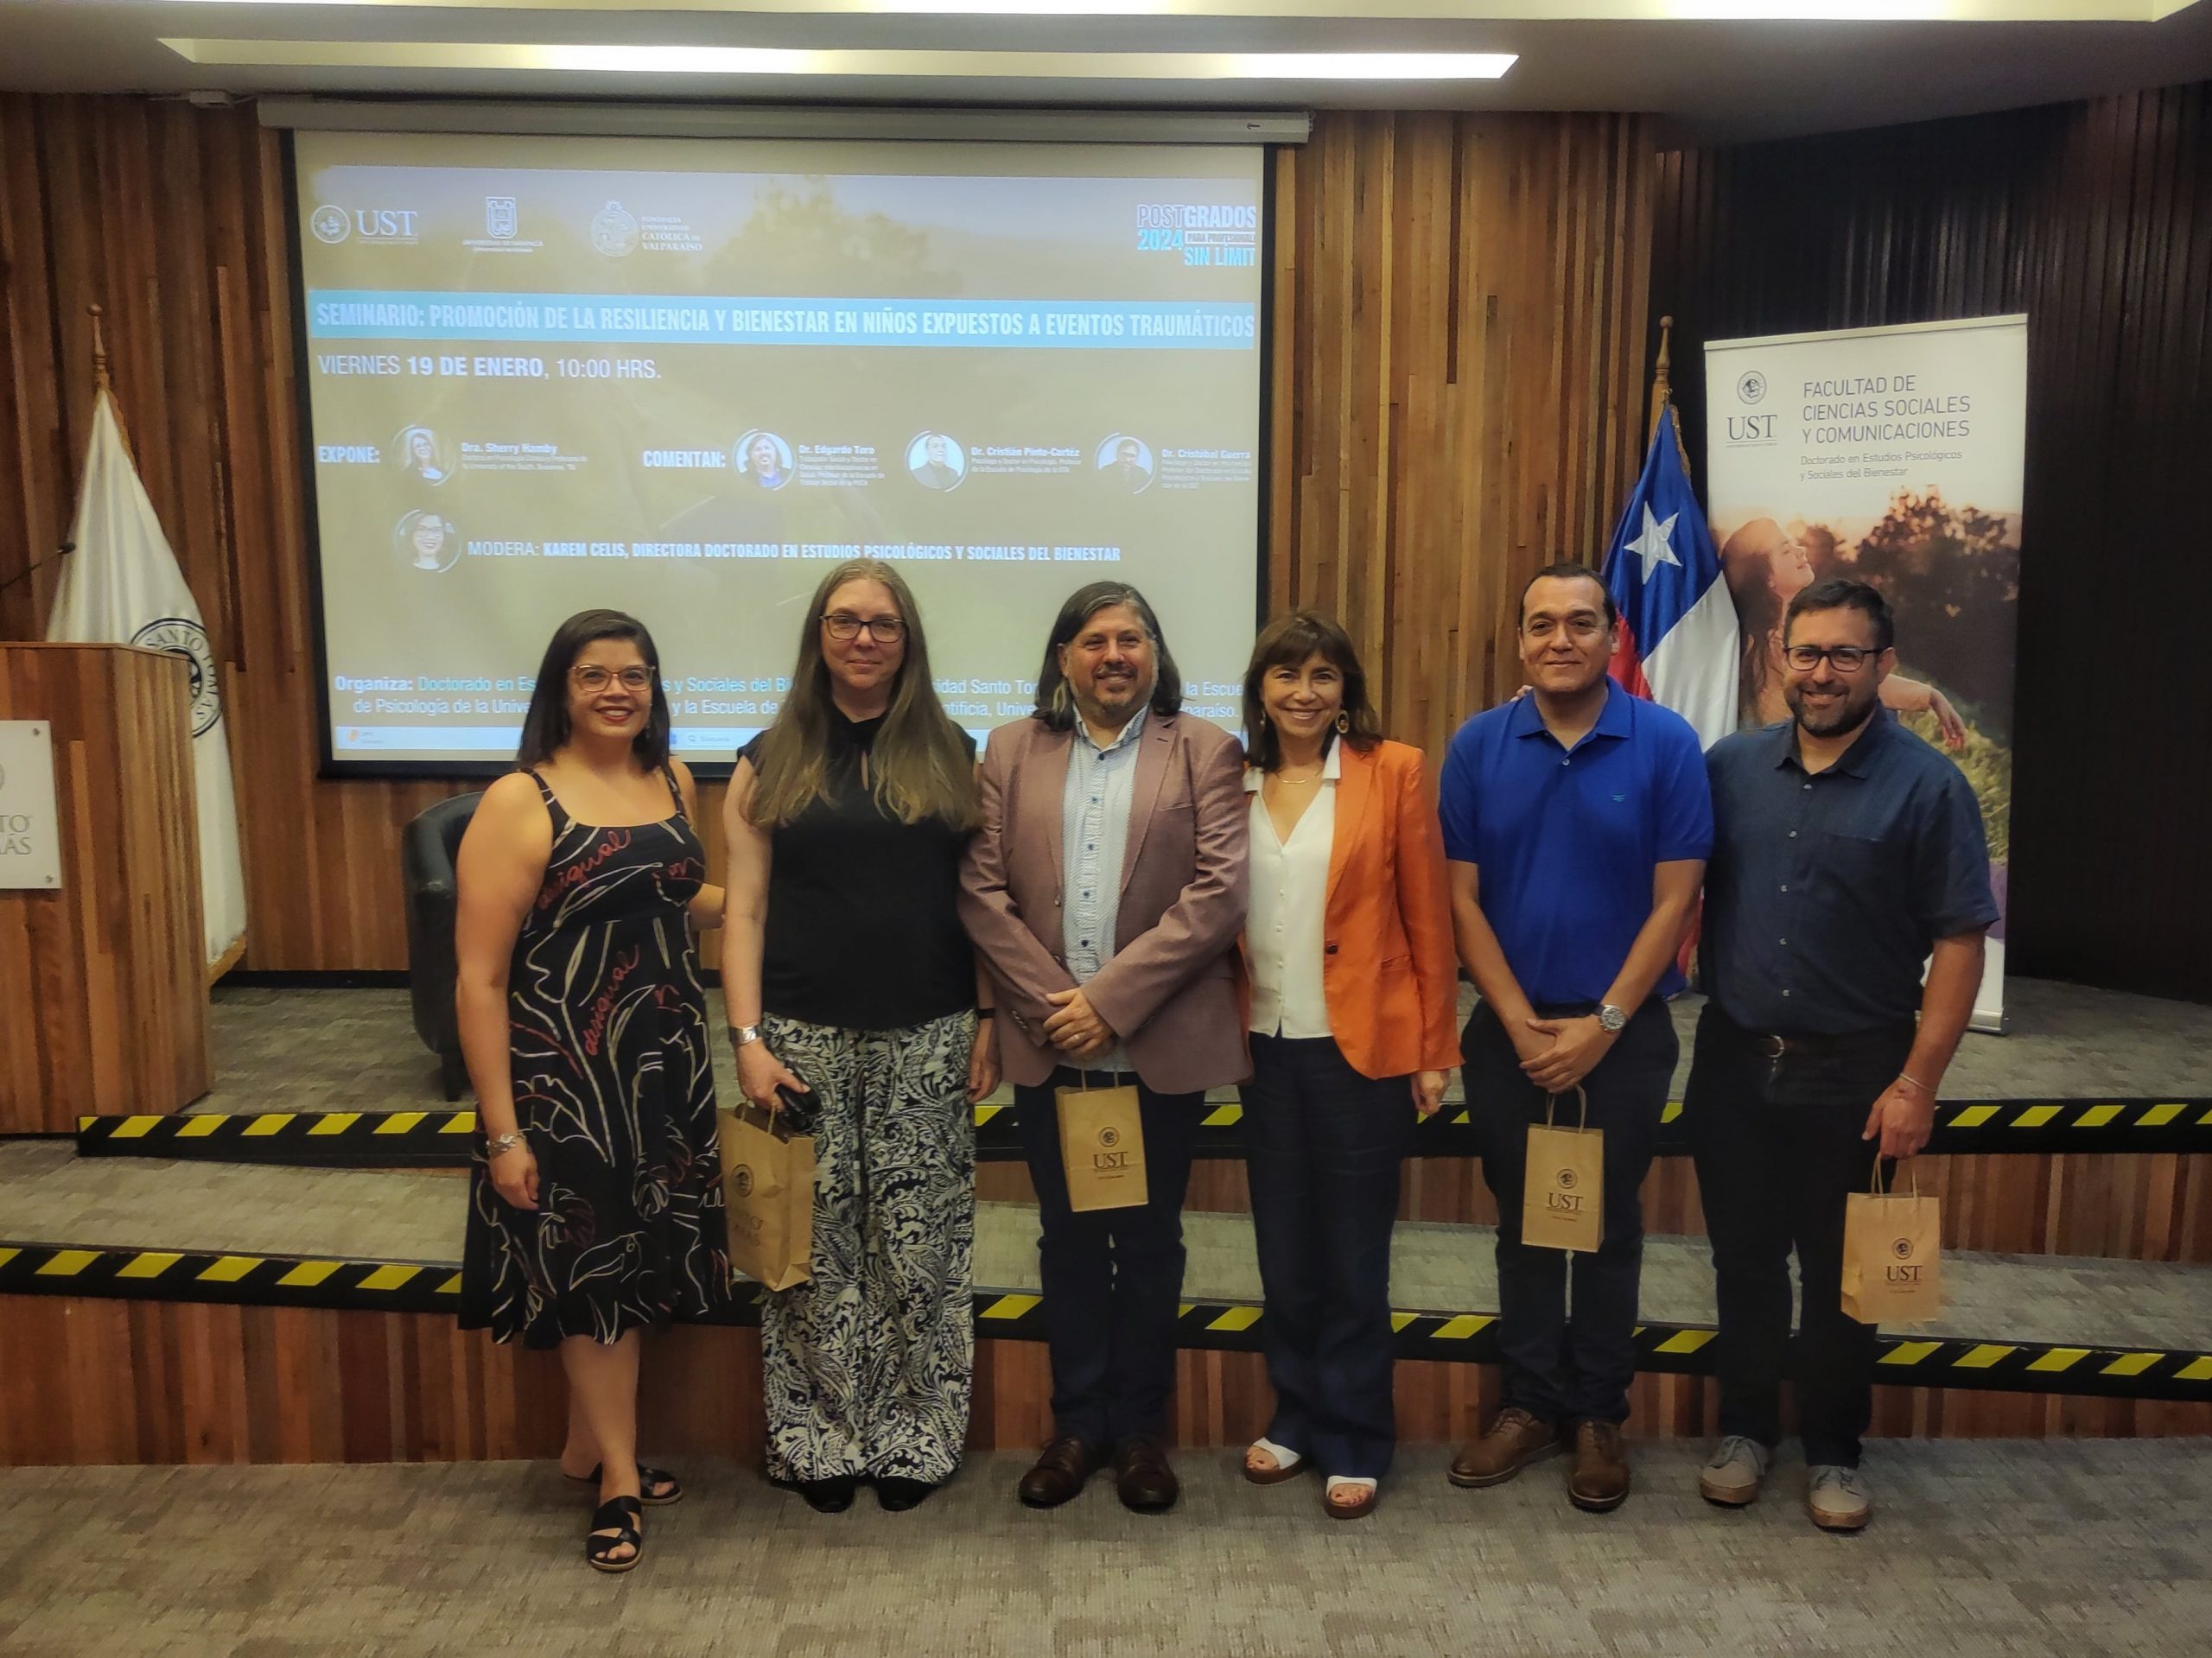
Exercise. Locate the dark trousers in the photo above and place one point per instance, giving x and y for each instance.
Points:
(1322, 1146)
(1779, 1146)
(1555, 1369)
(1112, 1278)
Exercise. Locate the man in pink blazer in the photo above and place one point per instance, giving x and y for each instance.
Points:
(1105, 893)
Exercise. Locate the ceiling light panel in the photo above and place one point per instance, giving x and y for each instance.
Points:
(610, 57)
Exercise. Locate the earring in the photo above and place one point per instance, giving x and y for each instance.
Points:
(1344, 722)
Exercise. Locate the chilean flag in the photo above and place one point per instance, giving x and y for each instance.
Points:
(1678, 640)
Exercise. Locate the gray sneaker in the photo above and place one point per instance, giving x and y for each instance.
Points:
(1838, 1501)
(1732, 1476)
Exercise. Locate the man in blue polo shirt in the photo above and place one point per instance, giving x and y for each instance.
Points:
(1848, 853)
(1576, 823)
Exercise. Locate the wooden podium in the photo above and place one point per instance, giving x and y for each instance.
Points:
(103, 989)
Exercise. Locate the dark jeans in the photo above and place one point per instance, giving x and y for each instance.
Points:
(1322, 1146)
(1779, 1146)
(1556, 1371)
(1112, 1278)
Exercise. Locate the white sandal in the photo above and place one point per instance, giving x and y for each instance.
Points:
(1358, 1510)
(1288, 1463)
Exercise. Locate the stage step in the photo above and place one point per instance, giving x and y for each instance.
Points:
(418, 1138)
(158, 1230)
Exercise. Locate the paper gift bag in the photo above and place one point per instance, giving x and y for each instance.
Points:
(1102, 1147)
(1563, 1188)
(1893, 1254)
(768, 1189)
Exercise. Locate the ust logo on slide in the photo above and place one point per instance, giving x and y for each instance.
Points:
(1751, 387)
(334, 224)
(500, 217)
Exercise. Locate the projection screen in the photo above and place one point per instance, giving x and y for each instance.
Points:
(683, 378)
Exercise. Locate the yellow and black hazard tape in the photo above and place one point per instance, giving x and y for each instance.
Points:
(441, 1137)
(1464, 1337)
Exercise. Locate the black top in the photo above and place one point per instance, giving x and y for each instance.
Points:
(1826, 891)
(863, 932)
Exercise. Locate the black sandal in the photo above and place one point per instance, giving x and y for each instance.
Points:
(618, 1516)
(647, 1478)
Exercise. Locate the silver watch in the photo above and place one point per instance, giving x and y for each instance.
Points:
(741, 1035)
(1611, 1020)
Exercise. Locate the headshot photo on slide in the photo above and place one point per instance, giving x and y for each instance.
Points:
(1125, 462)
(427, 540)
(937, 461)
(764, 458)
(421, 454)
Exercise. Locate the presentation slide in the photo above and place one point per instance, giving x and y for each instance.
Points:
(683, 378)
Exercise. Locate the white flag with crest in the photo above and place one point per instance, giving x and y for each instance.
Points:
(122, 586)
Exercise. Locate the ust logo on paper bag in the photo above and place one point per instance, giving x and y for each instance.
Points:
(1892, 1255)
(1557, 1209)
(741, 1180)
(1102, 1148)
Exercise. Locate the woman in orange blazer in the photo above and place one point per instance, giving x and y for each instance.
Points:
(1354, 989)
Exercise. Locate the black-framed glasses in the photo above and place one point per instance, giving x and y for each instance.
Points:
(884, 630)
(1847, 658)
(590, 677)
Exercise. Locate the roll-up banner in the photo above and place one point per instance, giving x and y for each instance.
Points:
(1894, 456)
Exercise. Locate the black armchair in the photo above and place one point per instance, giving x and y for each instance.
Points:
(428, 848)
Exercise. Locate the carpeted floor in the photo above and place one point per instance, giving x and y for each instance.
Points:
(1978, 1550)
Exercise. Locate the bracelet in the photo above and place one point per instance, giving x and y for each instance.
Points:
(503, 1144)
(1917, 1083)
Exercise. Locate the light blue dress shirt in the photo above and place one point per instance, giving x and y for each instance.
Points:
(1094, 842)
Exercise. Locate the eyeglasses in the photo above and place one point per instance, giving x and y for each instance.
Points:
(592, 677)
(884, 630)
(1847, 658)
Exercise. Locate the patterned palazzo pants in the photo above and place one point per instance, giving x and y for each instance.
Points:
(867, 1368)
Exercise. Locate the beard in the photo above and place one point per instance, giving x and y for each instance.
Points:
(1847, 713)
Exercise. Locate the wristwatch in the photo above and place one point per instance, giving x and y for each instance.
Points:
(1611, 1020)
(739, 1035)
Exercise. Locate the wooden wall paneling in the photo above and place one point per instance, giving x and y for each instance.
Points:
(167, 1383)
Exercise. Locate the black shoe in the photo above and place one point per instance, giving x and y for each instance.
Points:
(832, 1496)
(613, 1524)
(657, 1487)
(896, 1495)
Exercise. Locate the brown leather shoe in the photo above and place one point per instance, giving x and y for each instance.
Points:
(1061, 1471)
(1143, 1480)
(1599, 1482)
(1515, 1439)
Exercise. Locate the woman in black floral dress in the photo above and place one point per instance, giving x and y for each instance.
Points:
(596, 1205)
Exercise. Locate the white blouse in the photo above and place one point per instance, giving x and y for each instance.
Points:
(1285, 925)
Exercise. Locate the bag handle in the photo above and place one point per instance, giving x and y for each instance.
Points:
(769, 1123)
(1581, 1094)
(1910, 1165)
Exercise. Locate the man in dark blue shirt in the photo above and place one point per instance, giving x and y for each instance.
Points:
(1847, 853)
(1576, 826)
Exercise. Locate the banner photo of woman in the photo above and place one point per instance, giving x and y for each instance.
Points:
(1893, 456)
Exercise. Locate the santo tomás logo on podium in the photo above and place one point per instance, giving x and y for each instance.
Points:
(188, 639)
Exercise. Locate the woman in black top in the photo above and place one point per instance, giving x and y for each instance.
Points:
(847, 977)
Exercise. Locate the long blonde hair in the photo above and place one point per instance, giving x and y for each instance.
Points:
(919, 767)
